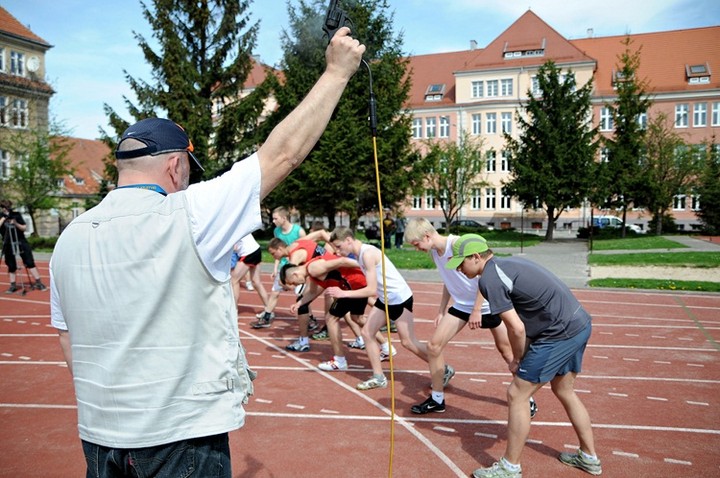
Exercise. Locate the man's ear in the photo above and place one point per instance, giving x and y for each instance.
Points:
(174, 168)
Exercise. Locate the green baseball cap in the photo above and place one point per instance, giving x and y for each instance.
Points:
(465, 246)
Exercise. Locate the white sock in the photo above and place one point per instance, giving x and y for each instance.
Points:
(303, 341)
(439, 397)
(509, 466)
(385, 348)
(587, 457)
(340, 360)
(360, 340)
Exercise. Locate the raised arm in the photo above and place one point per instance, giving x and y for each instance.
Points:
(295, 136)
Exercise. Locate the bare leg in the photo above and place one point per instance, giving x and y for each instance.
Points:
(406, 331)
(256, 279)
(518, 394)
(448, 328)
(563, 386)
(375, 320)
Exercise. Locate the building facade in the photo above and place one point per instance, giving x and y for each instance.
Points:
(478, 91)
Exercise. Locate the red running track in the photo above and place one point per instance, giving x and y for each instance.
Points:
(651, 382)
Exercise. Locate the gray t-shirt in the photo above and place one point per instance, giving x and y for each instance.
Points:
(544, 303)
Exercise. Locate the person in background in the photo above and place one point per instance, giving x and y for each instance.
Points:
(12, 231)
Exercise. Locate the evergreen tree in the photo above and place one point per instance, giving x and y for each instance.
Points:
(41, 161)
(453, 171)
(623, 175)
(339, 174)
(204, 54)
(708, 189)
(553, 158)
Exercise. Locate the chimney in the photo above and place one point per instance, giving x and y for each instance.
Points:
(473, 45)
(590, 32)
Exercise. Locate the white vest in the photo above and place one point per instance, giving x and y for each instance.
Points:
(155, 346)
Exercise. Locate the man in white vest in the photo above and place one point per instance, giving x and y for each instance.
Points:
(141, 293)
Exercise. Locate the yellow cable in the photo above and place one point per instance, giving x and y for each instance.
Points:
(387, 313)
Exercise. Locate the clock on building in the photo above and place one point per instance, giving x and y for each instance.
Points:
(33, 64)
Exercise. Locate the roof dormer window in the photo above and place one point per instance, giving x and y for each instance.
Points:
(512, 52)
(435, 92)
(698, 74)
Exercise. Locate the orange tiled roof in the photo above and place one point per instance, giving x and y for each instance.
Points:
(86, 157)
(9, 24)
(25, 83)
(663, 57)
(529, 32)
(438, 68)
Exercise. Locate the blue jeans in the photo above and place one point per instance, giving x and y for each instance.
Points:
(197, 457)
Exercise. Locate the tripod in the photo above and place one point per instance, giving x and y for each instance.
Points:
(12, 237)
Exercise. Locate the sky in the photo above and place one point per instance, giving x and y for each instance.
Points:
(94, 44)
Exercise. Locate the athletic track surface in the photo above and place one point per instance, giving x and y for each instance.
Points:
(651, 381)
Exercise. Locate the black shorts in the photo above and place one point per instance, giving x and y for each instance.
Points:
(25, 254)
(253, 259)
(489, 321)
(395, 311)
(355, 306)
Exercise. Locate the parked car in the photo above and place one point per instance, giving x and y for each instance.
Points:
(615, 223)
(465, 226)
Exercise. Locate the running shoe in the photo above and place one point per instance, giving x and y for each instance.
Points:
(577, 460)
(12, 289)
(533, 408)
(357, 344)
(496, 471)
(449, 374)
(385, 356)
(372, 382)
(298, 346)
(332, 366)
(429, 405)
(260, 315)
(249, 286)
(322, 335)
(312, 323)
(38, 285)
(393, 327)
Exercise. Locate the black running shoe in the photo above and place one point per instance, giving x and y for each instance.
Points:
(429, 405)
(533, 408)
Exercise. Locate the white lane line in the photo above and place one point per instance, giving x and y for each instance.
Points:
(704, 404)
(686, 339)
(677, 462)
(613, 394)
(5, 354)
(262, 400)
(478, 380)
(297, 407)
(486, 435)
(632, 335)
(624, 453)
(533, 442)
(571, 447)
(37, 405)
(696, 365)
(627, 359)
(28, 335)
(662, 362)
(659, 399)
(600, 357)
(444, 429)
(657, 337)
(332, 412)
(579, 390)
(606, 333)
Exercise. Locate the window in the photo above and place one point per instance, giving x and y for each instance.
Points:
(606, 119)
(489, 198)
(506, 87)
(698, 74)
(4, 164)
(417, 202)
(535, 89)
(490, 160)
(475, 199)
(430, 127)
(477, 123)
(492, 88)
(695, 202)
(444, 126)
(218, 105)
(429, 199)
(700, 114)
(19, 114)
(17, 63)
(491, 123)
(3, 111)
(435, 92)
(443, 198)
(679, 202)
(505, 161)
(506, 122)
(642, 120)
(417, 128)
(604, 155)
(505, 200)
(2, 59)
(716, 114)
(681, 115)
(477, 89)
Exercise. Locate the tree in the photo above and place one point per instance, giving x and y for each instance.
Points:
(453, 171)
(339, 174)
(40, 162)
(203, 55)
(671, 168)
(553, 157)
(623, 176)
(708, 188)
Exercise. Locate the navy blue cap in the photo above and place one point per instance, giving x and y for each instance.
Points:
(159, 136)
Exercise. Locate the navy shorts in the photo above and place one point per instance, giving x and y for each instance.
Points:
(395, 311)
(489, 321)
(546, 360)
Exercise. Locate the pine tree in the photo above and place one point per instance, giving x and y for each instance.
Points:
(204, 54)
(623, 172)
(339, 175)
(553, 158)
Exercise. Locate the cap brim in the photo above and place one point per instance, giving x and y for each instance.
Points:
(195, 164)
(454, 262)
